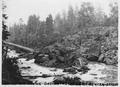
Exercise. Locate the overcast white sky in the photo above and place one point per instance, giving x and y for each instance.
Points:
(17, 9)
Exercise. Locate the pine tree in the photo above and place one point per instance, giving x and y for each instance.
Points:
(5, 32)
(49, 25)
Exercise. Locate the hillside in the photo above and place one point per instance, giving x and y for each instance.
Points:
(97, 44)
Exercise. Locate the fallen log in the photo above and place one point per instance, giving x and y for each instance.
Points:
(19, 46)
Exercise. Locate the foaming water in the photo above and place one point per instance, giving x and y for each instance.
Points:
(98, 73)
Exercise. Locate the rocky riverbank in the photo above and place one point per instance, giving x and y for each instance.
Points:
(98, 73)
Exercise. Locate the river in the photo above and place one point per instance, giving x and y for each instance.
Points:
(98, 73)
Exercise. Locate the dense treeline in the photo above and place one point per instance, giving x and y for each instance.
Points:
(38, 34)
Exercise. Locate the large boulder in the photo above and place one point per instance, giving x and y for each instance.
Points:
(41, 58)
(51, 62)
(58, 52)
(92, 58)
(60, 59)
(111, 57)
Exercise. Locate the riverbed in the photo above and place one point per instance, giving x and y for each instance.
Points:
(98, 73)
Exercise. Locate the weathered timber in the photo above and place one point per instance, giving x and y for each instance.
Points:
(19, 46)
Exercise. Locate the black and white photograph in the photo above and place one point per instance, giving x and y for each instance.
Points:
(59, 42)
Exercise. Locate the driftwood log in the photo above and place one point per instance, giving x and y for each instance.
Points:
(19, 46)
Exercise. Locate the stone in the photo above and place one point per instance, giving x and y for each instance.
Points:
(51, 62)
(41, 58)
(101, 58)
(70, 69)
(60, 58)
(110, 57)
(92, 58)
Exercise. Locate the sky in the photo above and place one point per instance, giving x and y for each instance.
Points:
(17, 9)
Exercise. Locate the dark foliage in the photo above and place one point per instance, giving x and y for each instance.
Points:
(11, 73)
(72, 81)
(5, 32)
